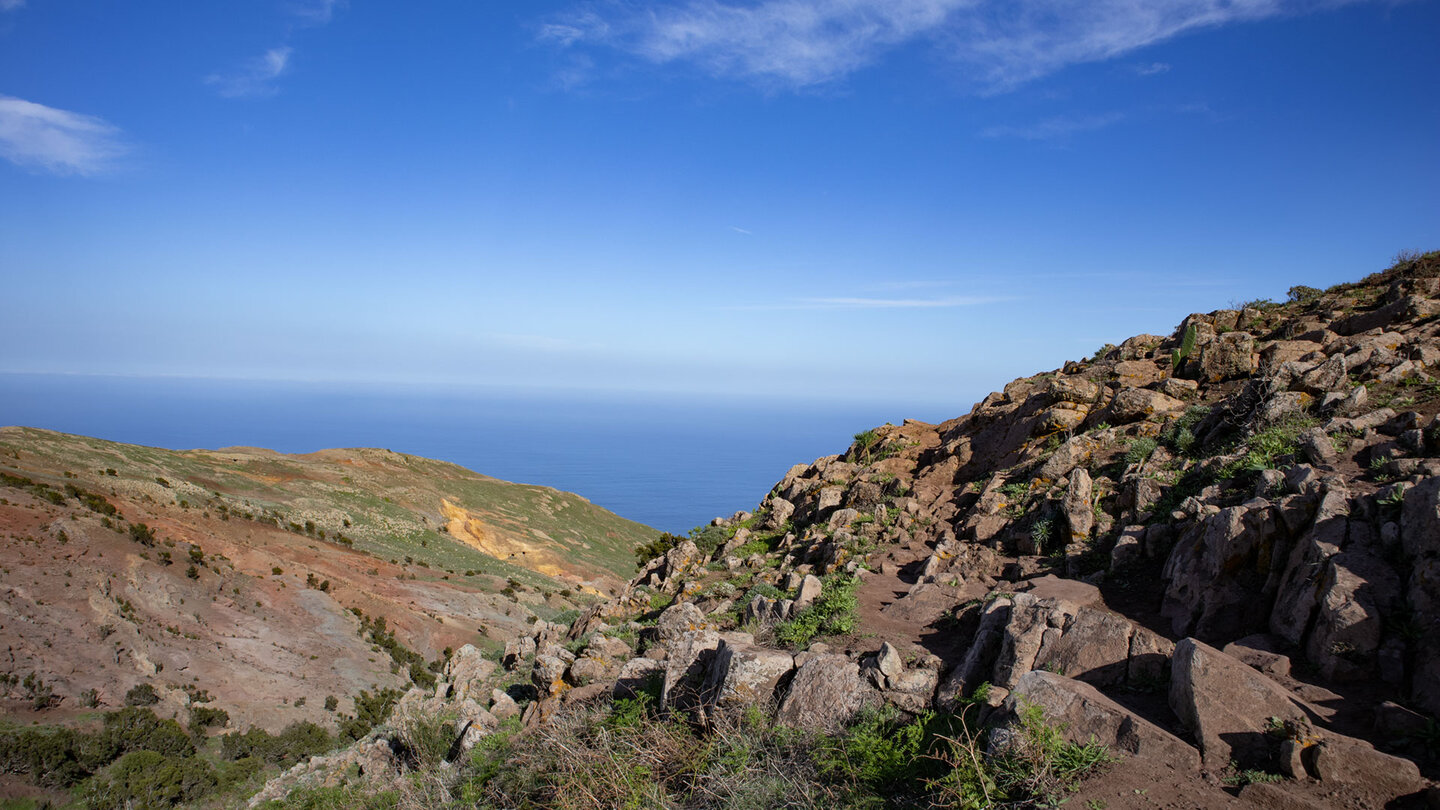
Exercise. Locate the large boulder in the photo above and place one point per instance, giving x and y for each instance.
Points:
(1220, 575)
(1299, 592)
(1084, 715)
(1136, 404)
(1227, 357)
(745, 675)
(679, 619)
(468, 672)
(825, 693)
(1357, 592)
(687, 667)
(1228, 706)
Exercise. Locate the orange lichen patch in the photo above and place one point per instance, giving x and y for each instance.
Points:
(469, 529)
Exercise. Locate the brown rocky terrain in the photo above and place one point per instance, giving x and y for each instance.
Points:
(248, 577)
(1217, 552)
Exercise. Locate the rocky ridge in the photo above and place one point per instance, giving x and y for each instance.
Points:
(1217, 552)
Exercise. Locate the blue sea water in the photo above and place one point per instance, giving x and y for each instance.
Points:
(667, 461)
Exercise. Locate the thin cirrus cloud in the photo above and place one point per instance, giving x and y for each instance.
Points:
(35, 136)
(997, 44)
(256, 78)
(11, 5)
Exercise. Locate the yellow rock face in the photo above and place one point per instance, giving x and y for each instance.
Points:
(469, 529)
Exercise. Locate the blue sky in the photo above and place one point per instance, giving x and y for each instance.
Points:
(908, 201)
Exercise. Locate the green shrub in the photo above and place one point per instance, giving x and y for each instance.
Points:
(52, 757)
(142, 695)
(297, 741)
(645, 552)
(1300, 294)
(138, 729)
(146, 780)
(1140, 450)
(370, 710)
(832, 613)
(203, 717)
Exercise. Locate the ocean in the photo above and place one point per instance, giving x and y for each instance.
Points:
(672, 462)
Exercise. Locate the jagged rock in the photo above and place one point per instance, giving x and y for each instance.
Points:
(807, 592)
(1069, 455)
(687, 667)
(828, 500)
(825, 693)
(768, 611)
(1420, 518)
(1227, 705)
(1279, 352)
(1135, 404)
(1229, 356)
(502, 706)
(1218, 575)
(1076, 640)
(1128, 547)
(779, 513)
(679, 619)
(468, 672)
(1084, 715)
(1178, 388)
(1079, 514)
(1060, 418)
(1261, 652)
(1356, 593)
(841, 518)
(1278, 407)
(374, 759)
(745, 675)
(1075, 390)
(1347, 761)
(1298, 591)
(517, 650)
(1136, 373)
(1317, 446)
(1328, 376)
(548, 675)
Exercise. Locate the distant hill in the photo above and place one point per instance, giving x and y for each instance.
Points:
(245, 572)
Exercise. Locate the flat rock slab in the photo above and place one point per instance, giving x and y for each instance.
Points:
(1083, 713)
(1227, 705)
(1080, 594)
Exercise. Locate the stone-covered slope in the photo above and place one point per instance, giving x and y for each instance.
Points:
(250, 575)
(1217, 552)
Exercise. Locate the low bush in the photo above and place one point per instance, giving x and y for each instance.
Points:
(142, 694)
(296, 742)
(146, 780)
(832, 613)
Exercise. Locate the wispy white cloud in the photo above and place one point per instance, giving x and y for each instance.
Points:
(738, 229)
(319, 12)
(1055, 128)
(256, 78)
(1152, 69)
(59, 141)
(798, 43)
(11, 5)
